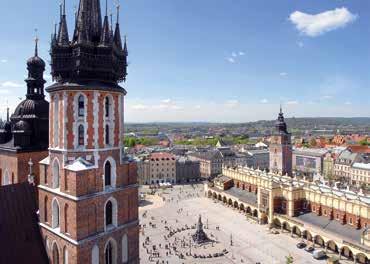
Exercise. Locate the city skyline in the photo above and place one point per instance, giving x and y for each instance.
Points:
(311, 58)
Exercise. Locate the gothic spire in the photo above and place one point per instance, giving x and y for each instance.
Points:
(105, 37)
(36, 45)
(125, 51)
(63, 38)
(280, 123)
(89, 20)
(117, 34)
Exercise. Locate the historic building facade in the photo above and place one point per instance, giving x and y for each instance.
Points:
(88, 192)
(24, 136)
(162, 168)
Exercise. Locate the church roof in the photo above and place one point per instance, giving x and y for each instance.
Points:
(79, 164)
(95, 52)
(20, 238)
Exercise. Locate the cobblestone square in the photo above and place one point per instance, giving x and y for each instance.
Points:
(241, 240)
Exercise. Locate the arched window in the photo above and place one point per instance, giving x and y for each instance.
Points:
(81, 106)
(56, 121)
(81, 135)
(46, 209)
(107, 135)
(107, 106)
(55, 214)
(65, 255)
(95, 255)
(66, 218)
(6, 179)
(110, 252)
(56, 173)
(55, 254)
(108, 174)
(124, 249)
(109, 213)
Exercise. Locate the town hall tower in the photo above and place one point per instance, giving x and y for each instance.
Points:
(281, 148)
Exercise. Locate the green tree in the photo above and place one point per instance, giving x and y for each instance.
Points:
(313, 142)
(289, 259)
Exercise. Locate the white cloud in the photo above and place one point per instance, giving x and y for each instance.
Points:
(177, 107)
(166, 101)
(231, 60)
(326, 97)
(197, 107)
(140, 107)
(241, 53)
(232, 103)
(241, 113)
(234, 54)
(315, 25)
(283, 74)
(4, 61)
(348, 103)
(4, 91)
(300, 44)
(11, 84)
(292, 103)
(264, 101)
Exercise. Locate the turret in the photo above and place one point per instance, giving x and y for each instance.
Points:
(63, 38)
(105, 37)
(117, 41)
(280, 124)
(35, 81)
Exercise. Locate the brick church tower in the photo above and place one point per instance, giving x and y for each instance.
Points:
(88, 192)
(24, 136)
(281, 148)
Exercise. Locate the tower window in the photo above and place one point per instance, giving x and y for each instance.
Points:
(55, 218)
(46, 209)
(108, 174)
(55, 254)
(109, 253)
(109, 213)
(55, 174)
(66, 218)
(107, 141)
(81, 106)
(107, 107)
(81, 135)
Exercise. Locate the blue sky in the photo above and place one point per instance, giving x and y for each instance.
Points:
(218, 60)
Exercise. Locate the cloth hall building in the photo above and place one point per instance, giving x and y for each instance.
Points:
(334, 219)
